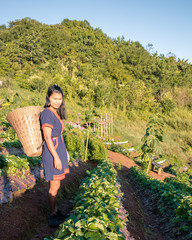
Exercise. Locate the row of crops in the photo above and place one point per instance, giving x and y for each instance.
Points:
(11, 164)
(96, 208)
(173, 200)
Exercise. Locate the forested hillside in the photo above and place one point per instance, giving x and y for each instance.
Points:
(96, 71)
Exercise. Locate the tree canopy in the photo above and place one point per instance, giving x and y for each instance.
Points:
(90, 66)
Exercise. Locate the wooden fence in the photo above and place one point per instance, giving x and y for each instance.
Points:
(102, 124)
(105, 127)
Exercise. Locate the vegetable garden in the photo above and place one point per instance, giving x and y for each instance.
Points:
(173, 200)
(96, 211)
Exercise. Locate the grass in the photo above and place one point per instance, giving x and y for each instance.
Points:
(177, 144)
(131, 131)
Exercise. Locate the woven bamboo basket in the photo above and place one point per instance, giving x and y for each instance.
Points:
(26, 124)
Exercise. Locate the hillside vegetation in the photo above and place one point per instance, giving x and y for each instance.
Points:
(97, 72)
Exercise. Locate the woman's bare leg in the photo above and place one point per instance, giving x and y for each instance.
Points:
(53, 189)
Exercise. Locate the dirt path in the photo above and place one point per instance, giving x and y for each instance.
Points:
(143, 223)
(26, 217)
(128, 163)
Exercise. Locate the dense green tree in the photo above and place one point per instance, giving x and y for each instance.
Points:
(5, 66)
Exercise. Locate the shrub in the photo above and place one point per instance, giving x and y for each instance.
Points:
(167, 106)
(74, 140)
(97, 150)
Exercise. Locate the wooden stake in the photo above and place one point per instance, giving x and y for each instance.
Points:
(101, 127)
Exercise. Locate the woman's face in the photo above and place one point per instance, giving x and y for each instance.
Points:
(55, 100)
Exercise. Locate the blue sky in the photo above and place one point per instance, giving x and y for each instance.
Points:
(166, 24)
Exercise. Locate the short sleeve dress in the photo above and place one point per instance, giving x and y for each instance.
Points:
(49, 119)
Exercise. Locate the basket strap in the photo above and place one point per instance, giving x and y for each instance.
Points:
(40, 145)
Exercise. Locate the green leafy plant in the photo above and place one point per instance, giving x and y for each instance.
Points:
(174, 200)
(120, 148)
(151, 139)
(12, 164)
(95, 213)
(97, 150)
(16, 144)
(74, 140)
(167, 106)
(89, 120)
(119, 166)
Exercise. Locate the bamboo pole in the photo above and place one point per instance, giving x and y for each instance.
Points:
(98, 127)
(109, 128)
(104, 127)
(87, 141)
(101, 127)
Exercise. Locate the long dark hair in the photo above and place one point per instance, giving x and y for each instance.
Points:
(62, 109)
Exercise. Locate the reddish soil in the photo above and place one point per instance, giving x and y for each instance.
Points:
(143, 223)
(117, 158)
(26, 217)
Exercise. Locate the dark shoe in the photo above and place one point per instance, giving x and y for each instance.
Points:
(53, 221)
(60, 215)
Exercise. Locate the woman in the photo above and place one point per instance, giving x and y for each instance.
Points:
(55, 156)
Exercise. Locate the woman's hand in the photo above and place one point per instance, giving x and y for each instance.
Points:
(57, 163)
